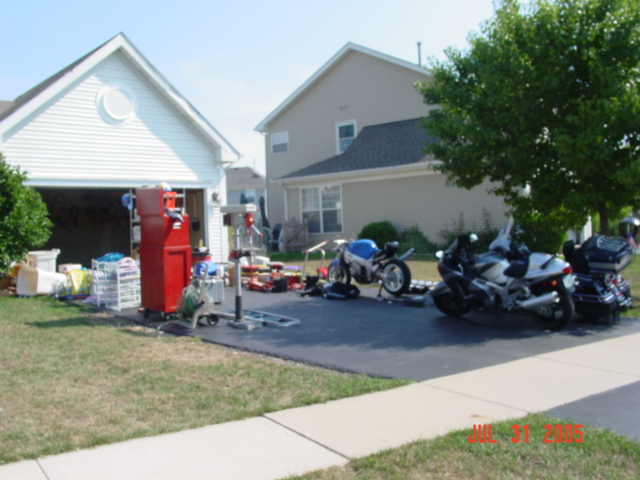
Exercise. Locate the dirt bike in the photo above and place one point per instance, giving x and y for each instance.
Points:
(507, 279)
(364, 262)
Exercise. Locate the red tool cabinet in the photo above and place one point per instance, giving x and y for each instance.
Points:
(165, 251)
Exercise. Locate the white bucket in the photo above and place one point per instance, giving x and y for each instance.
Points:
(44, 260)
(35, 281)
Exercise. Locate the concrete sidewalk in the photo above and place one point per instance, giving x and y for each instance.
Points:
(304, 439)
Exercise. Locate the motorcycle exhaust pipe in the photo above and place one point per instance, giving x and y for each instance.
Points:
(407, 254)
(541, 301)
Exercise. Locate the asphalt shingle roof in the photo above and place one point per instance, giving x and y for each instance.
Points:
(377, 146)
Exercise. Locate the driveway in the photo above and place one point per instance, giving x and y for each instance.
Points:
(392, 339)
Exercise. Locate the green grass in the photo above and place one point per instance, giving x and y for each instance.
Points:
(73, 380)
(601, 455)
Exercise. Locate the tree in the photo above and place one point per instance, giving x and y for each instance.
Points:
(547, 98)
(24, 219)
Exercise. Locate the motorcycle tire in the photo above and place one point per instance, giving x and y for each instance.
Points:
(338, 274)
(398, 277)
(558, 315)
(448, 305)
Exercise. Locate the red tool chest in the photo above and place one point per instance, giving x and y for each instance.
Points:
(165, 251)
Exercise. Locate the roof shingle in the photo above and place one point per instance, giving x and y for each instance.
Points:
(377, 146)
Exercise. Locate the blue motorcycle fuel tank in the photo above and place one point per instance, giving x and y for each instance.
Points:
(363, 248)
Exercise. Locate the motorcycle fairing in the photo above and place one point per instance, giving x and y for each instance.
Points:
(364, 249)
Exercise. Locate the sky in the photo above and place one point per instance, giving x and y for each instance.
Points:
(235, 61)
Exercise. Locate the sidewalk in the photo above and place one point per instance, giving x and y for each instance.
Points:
(304, 439)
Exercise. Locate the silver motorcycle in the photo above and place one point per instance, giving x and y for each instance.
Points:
(507, 279)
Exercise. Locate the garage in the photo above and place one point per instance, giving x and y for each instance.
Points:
(100, 128)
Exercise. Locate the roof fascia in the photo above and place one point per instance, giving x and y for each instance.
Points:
(349, 47)
(368, 175)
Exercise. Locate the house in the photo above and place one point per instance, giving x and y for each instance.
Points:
(104, 125)
(345, 150)
(245, 185)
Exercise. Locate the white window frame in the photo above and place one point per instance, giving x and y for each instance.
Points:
(343, 124)
(279, 138)
(340, 209)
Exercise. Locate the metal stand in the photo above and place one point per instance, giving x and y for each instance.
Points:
(247, 319)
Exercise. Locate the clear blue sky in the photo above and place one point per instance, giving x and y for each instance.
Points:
(235, 61)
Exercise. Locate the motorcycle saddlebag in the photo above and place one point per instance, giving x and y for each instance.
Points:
(602, 254)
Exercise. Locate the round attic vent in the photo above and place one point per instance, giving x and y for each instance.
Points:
(116, 104)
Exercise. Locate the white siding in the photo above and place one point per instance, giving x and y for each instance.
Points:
(67, 142)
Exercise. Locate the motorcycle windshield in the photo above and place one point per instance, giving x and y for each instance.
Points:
(503, 241)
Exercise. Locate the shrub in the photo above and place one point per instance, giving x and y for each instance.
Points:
(413, 237)
(379, 232)
(486, 233)
(24, 219)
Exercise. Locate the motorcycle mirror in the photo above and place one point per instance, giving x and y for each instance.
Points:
(473, 238)
(439, 254)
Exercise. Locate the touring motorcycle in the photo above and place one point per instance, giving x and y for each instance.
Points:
(601, 292)
(364, 262)
(507, 279)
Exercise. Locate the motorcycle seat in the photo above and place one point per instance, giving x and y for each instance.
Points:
(517, 269)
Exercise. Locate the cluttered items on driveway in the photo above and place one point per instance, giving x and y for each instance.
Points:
(246, 243)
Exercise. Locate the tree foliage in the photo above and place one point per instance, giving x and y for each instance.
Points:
(24, 219)
(546, 96)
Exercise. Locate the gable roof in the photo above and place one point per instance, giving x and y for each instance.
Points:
(377, 146)
(319, 74)
(11, 113)
(240, 178)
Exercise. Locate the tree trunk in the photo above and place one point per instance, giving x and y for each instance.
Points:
(604, 218)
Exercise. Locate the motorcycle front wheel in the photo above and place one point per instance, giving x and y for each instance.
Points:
(448, 305)
(396, 277)
(338, 273)
(556, 315)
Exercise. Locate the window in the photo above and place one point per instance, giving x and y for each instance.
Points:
(322, 208)
(345, 134)
(280, 142)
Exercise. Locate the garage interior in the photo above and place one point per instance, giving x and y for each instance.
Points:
(90, 222)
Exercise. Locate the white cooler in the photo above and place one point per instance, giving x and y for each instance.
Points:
(35, 281)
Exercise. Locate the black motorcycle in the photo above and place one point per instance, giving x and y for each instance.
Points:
(601, 292)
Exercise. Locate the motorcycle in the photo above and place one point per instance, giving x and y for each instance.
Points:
(601, 292)
(364, 262)
(507, 279)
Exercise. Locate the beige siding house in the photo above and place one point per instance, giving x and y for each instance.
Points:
(344, 150)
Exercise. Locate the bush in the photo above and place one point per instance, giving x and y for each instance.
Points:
(413, 237)
(379, 232)
(24, 219)
(486, 233)
(542, 233)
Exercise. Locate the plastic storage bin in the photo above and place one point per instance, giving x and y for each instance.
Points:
(44, 260)
(35, 281)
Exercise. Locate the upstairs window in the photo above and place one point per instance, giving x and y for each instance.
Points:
(280, 142)
(345, 134)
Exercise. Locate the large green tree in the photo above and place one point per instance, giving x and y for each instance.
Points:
(547, 98)
(24, 219)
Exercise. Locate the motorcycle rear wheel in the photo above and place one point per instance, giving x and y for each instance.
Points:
(448, 305)
(557, 315)
(338, 274)
(397, 277)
